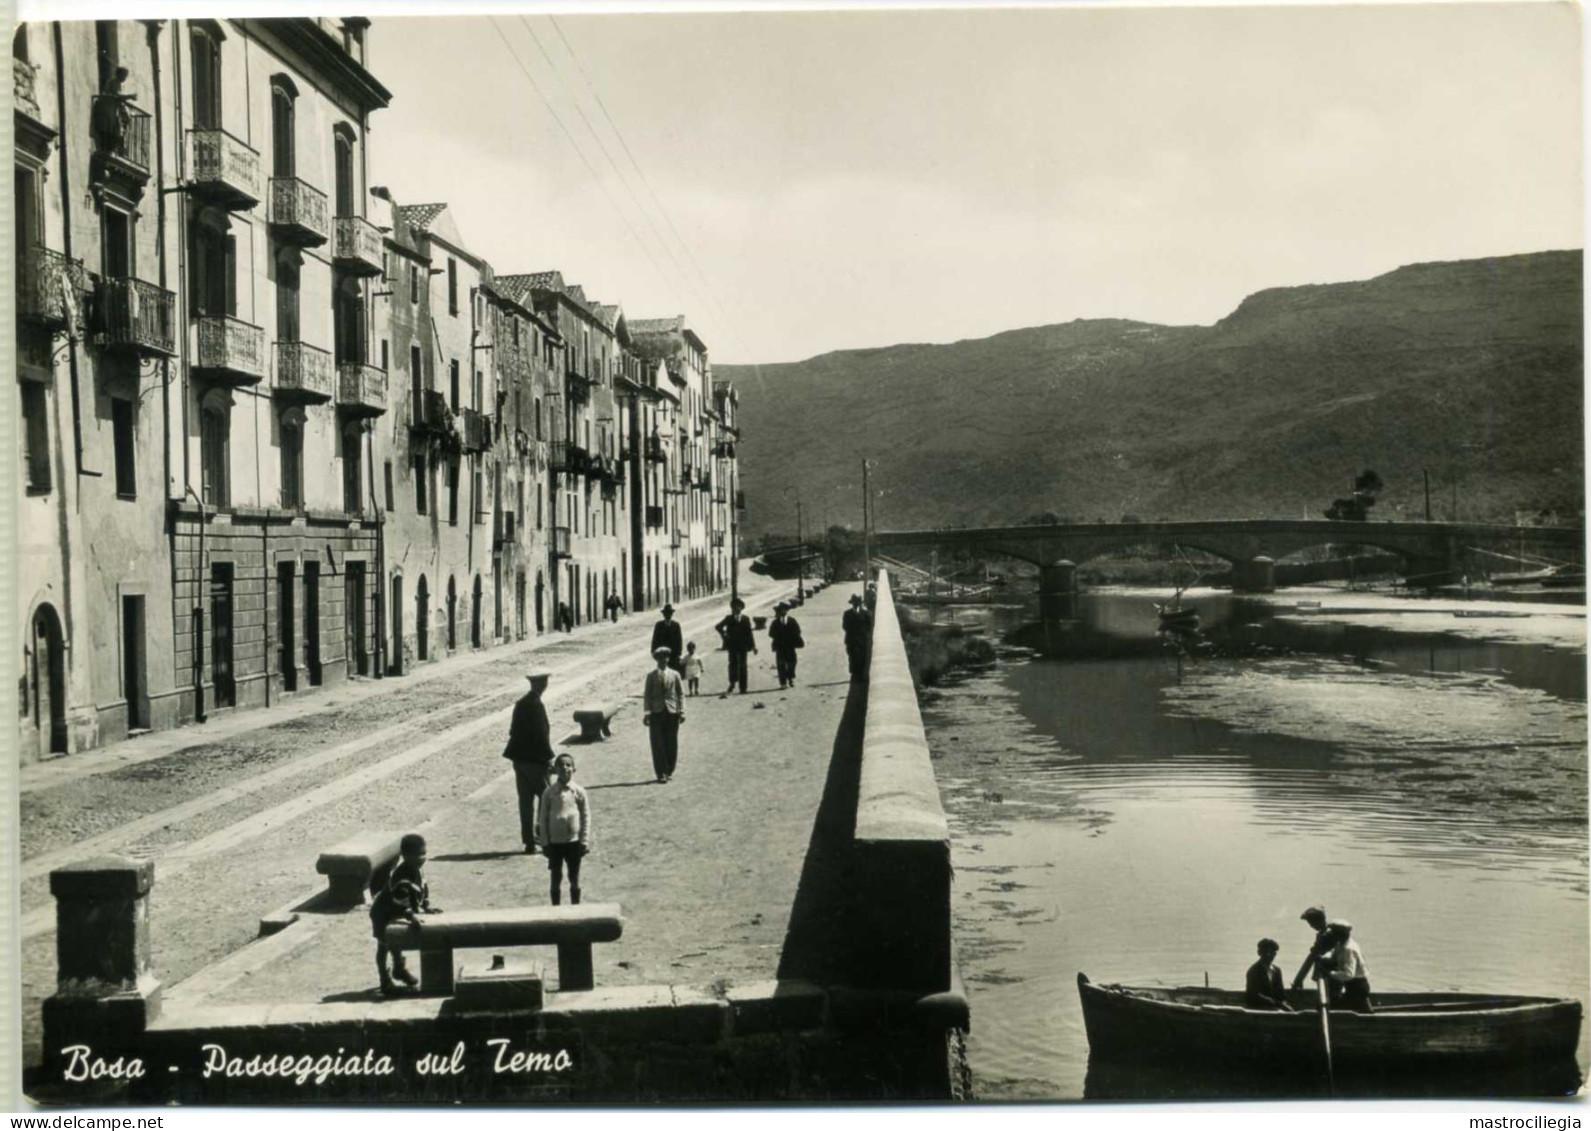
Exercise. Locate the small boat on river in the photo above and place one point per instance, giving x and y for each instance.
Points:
(1177, 615)
(1408, 1031)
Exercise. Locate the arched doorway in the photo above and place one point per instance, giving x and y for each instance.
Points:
(475, 613)
(452, 615)
(422, 619)
(396, 666)
(47, 681)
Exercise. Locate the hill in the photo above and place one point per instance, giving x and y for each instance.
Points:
(1471, 371)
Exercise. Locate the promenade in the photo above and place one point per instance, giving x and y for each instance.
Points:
(706, 868)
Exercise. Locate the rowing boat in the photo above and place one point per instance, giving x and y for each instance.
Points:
(1407, 1031)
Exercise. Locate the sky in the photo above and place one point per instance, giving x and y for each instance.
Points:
(796, 182)
(799, 182)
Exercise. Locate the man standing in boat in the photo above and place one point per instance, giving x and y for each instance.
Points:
(1346, 971)
(1323, 946)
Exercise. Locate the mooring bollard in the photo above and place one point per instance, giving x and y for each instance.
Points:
(105, 992)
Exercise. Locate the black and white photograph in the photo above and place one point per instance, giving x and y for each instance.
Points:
(797, 554)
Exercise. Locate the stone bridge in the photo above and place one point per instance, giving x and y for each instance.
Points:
(1434, 552)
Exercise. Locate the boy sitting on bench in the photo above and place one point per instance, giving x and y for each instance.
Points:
(406, 896)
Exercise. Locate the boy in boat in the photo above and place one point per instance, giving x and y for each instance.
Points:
(1346, 971)
(1263, 985)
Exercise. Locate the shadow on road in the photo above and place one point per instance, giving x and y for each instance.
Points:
(471, 857)
(817, 944)
(621, 784)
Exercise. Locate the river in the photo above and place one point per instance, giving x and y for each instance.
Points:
(1145, 813)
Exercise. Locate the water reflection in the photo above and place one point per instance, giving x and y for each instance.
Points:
(1144, 809)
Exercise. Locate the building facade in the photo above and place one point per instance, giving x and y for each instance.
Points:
(280, 429)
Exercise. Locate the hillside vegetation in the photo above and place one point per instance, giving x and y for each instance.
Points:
(1471, 371)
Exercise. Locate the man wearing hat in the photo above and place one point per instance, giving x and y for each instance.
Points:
(663, 710)
(1345, 970)
(530, 749)
(858, 625)
(736, 632)
(784, 633)
(666, 634)
(1323, 945)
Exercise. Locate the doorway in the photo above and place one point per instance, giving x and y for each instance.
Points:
(222, 676)
(452, 615)
(354, 618)
(475, 613)
(312, 667)
(135, 674)
(286, 660)
(396, 667)
(422, 619)
(47, 681)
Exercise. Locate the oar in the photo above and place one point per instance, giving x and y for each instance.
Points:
(1325, 1036)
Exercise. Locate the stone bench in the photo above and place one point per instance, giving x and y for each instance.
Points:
(350, 866)
(571, 929)
(594, 721)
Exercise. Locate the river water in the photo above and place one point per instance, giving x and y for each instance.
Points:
(1144, 812)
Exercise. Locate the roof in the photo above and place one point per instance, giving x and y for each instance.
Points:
(672, 325)
(420, 216)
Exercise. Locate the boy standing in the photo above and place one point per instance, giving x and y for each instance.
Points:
(693, 668)
(406, 896)
(565, 822)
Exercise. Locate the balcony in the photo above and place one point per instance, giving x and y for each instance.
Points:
(654, 518)
(48, 286)
(304, 373)
(297, 213)
(22, 75)
(560, 542)
(231, 351)
(577, 383)
(135, 317)
(687, 475)
(356, 247)
(224, 170)
(720, 494)
(724, 449)
(475, 430)
(718, 539)
(361, 389)
(654, 449)
(121, 136)
(431, 413)
(568, 458)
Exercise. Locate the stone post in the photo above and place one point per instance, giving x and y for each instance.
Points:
(1257, 575)
(106, 994)
(1057, 590)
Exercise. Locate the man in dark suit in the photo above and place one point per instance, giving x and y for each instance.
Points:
(530, 749)
(858, 625)
(666, 634)
(784, 633)
(739, 639)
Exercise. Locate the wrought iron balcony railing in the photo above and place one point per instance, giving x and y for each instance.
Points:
(304, 372)
(357, 246)
(230, 350)
(361, 389)
(48, 287)
(654, 449)
(135, 316)
(223, 169)
(475, 430)
(560, 541)
(22, 76)
(298, 213)
(431, 413)
(121, 134)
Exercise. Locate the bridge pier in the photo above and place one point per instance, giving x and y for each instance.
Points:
(1058, 590)
(1256, 575)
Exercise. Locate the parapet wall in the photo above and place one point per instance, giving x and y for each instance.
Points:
(902, 842)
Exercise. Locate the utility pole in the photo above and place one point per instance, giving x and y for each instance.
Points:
(801, 556)
(867, 537)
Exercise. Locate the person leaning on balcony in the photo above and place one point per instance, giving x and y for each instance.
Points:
(666, 634)
(739, 639)
(530, 749)
(110, 118)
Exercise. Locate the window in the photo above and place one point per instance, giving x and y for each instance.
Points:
(538, 508)
(453, 384)
(452, 493)
(205, 48)
(348, 322)
(479, 393)
(383, 355)
(387, 475)
(123, 415)
(215, 451)
(538, 418)
(284, 153)
(452, 286)
(386, 266)
(416, 385)
(353, 467)
(480, 500)
(414, 283)
(292, 433)
(421, 473)
(518, 427)
(343, 173)
(36, 435)
(287, 287)
(212, 268)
